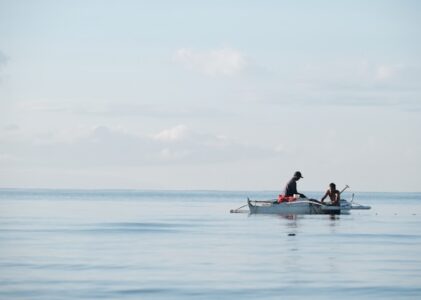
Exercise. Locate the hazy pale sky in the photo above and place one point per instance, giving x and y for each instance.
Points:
(210, 94)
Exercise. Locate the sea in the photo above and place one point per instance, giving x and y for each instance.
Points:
(153, 244)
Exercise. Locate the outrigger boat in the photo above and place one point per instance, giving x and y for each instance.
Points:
(301, 206)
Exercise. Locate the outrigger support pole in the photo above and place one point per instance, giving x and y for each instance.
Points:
(238, 210)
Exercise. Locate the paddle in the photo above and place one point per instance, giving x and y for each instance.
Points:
(346, 186)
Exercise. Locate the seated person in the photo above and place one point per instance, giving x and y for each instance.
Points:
(333, 194)
(291, 187)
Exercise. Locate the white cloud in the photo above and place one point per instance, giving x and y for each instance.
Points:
(386, 72)
(176, 133)
(361, 73)
(172, 155)
(352, 83)
(280, 148)
(103, 146)
(225, 61)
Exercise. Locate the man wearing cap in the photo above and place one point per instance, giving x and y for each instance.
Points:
(291, 187)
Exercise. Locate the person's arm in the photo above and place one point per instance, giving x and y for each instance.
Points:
(337, 198)
(324, 197)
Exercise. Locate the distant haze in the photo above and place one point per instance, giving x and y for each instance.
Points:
(227, 95)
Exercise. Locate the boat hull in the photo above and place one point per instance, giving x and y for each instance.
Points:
(298, 207)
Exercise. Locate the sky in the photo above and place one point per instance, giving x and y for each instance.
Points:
(218, 95)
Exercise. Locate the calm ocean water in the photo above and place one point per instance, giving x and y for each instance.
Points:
(78, 244)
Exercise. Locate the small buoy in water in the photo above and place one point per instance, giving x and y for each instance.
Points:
(291, 234)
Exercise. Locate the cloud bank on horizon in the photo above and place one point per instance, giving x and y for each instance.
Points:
(210, 96)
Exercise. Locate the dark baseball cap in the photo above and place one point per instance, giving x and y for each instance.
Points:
(298, 174)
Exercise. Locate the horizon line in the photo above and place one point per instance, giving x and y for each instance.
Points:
(180, 190)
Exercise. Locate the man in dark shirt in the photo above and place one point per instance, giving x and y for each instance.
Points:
(291, 187)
